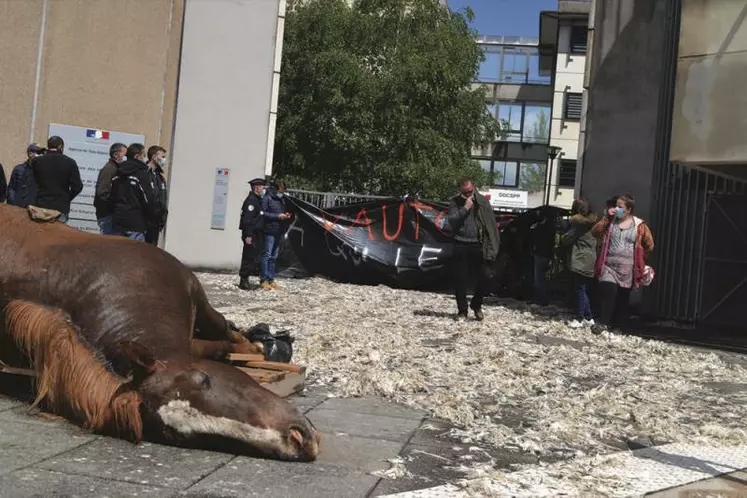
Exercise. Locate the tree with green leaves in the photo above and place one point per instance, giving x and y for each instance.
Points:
(376, 97)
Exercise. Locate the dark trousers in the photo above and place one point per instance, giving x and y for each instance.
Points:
(613, 303)
(469, 263)
(151, 236)
(581, 287)
(250, 257)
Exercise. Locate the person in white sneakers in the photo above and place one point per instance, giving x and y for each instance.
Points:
(582, 245)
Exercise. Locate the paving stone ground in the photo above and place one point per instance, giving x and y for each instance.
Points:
(47, 456)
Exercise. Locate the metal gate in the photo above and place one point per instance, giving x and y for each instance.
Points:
(684, 226)
(724, 289)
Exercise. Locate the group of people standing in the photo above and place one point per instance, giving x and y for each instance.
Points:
(606, 255)
(131, 195)
(130, 198)
(607, 259)
(264, 220)
(47, 179)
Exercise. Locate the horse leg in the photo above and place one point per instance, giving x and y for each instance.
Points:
(209, 324)
(217, 350)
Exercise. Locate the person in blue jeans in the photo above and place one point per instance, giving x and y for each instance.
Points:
(275, 215)
(583, 255)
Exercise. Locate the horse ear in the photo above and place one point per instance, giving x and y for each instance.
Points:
(143, 362)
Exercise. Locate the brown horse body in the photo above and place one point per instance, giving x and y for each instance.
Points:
(108, 323)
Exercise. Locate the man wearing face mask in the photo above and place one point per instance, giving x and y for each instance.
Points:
(156, 162)
(22, 186)
(476, 244)
(251, 224)
(131, 196)
(104, 212)
(621, 264)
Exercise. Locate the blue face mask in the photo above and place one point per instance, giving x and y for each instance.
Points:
(619, 212)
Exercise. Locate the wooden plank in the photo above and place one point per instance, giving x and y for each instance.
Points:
(292, 383)
(244, 357)
(262, 375)
(275, 365)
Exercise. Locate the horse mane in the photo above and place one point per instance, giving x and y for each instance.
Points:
(70, 379)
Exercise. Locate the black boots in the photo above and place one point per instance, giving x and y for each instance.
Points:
(244, 283)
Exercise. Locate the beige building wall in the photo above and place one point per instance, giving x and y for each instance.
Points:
(20, 24)
(227, 97)
(569, 77)
(709, 124)
(107, 64)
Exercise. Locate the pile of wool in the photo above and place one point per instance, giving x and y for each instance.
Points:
(520, 379)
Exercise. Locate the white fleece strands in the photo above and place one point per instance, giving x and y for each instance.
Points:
(187, 420)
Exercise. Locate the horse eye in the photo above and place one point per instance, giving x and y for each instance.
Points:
(201, 379)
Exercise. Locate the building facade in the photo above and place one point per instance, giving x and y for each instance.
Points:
(518, 94)
(564, 45)
(535, 88)
(199, 77)
(675, 140)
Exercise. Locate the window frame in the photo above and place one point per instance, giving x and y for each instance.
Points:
(563, 181)
(571, 45)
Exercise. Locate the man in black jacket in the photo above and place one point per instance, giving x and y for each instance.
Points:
(131, 195)
(3, 184)
(476, 244)
(251, 231)
(156, 162)
(22, 189)
(104, 213)
(57, 178)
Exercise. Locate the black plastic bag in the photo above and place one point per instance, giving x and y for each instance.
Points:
(277, 347)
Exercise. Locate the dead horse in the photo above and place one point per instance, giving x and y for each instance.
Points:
(107, 325)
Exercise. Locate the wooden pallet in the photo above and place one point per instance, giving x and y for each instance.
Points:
(283, 379)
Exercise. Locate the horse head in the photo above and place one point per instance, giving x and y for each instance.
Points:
(212, 405)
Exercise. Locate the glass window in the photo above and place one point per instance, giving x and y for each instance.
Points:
(515, 65)
(532, 177)
(511, 113)
(505, 173)
(492, 109)
(536, 123)
(488, 71)
(534, 72)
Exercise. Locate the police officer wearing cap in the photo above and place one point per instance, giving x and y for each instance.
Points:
(251, 230)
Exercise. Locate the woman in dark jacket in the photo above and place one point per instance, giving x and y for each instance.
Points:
(583, 255)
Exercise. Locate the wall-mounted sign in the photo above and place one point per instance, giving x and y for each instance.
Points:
(90, 149)
(508, 198)
(220, 198)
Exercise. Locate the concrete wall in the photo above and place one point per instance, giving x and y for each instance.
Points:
(109, 64)
(710, 112)
(223, 121)
(623, 100)
(569, 77)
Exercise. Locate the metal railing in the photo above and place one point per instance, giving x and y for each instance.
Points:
(326, 200)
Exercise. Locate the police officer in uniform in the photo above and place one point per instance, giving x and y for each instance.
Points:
(251, 231)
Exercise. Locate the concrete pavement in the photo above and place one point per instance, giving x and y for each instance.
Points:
(46, 456)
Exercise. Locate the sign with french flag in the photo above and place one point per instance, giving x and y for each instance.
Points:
(97, 134)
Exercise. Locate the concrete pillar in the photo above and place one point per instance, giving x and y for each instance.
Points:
(224, 103)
